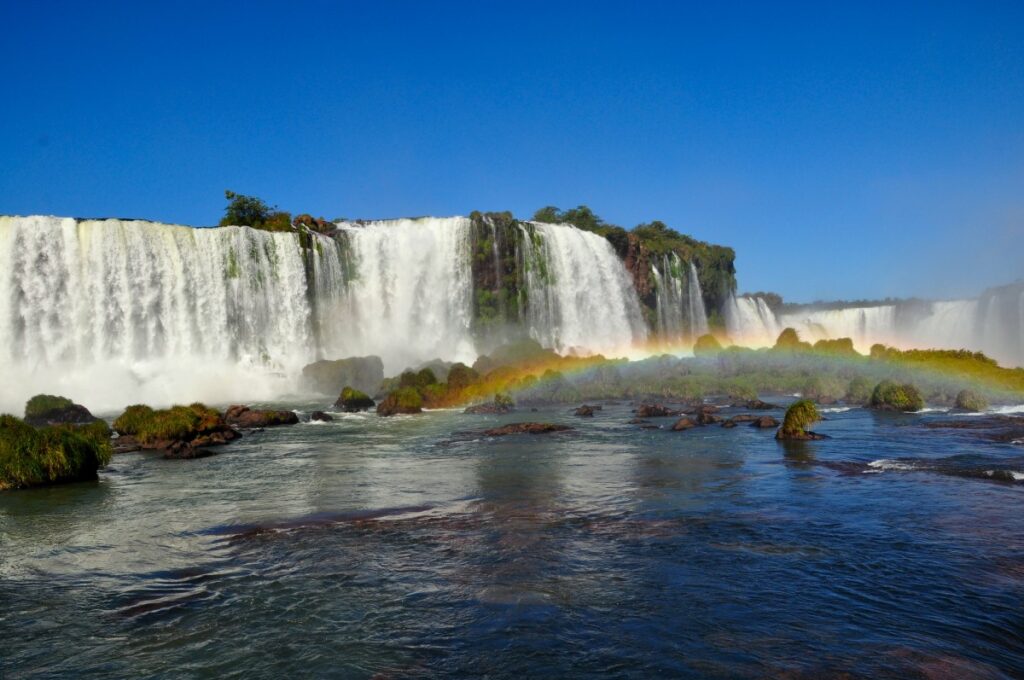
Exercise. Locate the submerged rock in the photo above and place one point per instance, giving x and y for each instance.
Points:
(352, 400)
(47, 409)
(526, 428)
(638, 421)
(247, 418)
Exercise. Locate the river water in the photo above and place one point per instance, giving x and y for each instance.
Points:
(414, 547)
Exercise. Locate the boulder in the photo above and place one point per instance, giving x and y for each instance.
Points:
(46, 409)
(320, 417)
(764, 422)
(654, 411)
(684, 423)
(969, 400)
(525, 428)
(638, 421)
(585, 411)
(352, 400)
(758, 405)
(707, 418)
(171, 430)
(729, 423)
(501, 403)
(890, 396)
(744, 418)
(329, 377)
(247, 418)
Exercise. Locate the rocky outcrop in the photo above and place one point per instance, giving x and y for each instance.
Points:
(329, 377)
(405, 400)
(352, 400)
(247, 419)
(525, 428)
(46, 409)
(172, 431)
(799, 416)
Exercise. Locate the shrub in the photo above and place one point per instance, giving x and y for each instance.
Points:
(799, 416)
(502, 400)
(836, 347)
(176, 423)
(789, 340)
(969, 400)
(889, 395)
(352, 400)
(706, 344)
(51, 454)
(858, 391)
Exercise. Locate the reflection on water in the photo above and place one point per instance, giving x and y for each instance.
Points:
(393, 548)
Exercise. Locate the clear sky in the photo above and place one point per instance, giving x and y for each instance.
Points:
(844, 152)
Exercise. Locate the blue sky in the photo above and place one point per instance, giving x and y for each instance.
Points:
(846, 151)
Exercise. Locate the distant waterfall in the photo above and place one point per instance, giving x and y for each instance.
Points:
(578, 294)
(681, 316)
(993, 324)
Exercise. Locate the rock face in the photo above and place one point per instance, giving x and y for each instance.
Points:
(352, 400)
(329, 377)
(46, 409)
(247, 418)
(526, 428)
(654, 411)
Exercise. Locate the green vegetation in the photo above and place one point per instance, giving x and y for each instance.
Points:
(858, 391)
(969, 400)
(891, 396)
(826, 389)
(178, 423)
(837, 347)
(799, 416)
(789, 341)
(50, 455)
(249, 211)
(706, 344)
(968, 365)
(352, 400)
(402, 400)
(502, 400)
(42, 405)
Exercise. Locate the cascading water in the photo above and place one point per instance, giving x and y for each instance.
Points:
(410, 299)
(578, 295)
(679, 302)
(993, 324)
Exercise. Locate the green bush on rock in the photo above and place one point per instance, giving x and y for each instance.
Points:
(402, 400)
(178, 423)
(799, 416)
(969, 400)
(51, 454)
(47, 409)
(352, 400)
(858, 391)
(789, 341)
(891, 396)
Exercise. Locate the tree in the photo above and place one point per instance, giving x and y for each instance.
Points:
(249, 211)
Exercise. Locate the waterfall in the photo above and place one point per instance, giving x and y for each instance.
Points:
(993, 324)
(410, 299)
(698, 315)
(578, 295)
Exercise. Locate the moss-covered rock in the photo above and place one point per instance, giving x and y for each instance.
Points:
(47, 409)
(706, 344)
(403, 400)
(352, 400)
(858, 391)
(172, 429)
(800, 415)
(969, 400)
(789, 341)
(836, 347)
(51, 454)
(889, 395)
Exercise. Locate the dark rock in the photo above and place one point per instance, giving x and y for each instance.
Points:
(654, 411)
(706, 418)
(187, 453)
(744, 418)
(329, 377)
(247, 418)
(683, 423)
(764, 422)
(729, 423)
(638, 421)
(585, 411)
(525, 428)
(804, 436)
(126, 443)
(758, 405)
(321, 417)
(500, 404)
(352, 400)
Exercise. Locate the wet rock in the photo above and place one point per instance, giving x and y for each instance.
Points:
(745, 418)
(247, 418)
(757, 405)
(187, 453)
(352, 400)
(684, 423)
(320, 417)
(638, 421)
(729, 423)
(654, 411)
(526, 428)
(806, 435)
(765, 422)
(500, 404)
(707, 418)
(126, 443)
(585, 411)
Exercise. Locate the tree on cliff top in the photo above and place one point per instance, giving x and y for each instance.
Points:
(249, 211)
